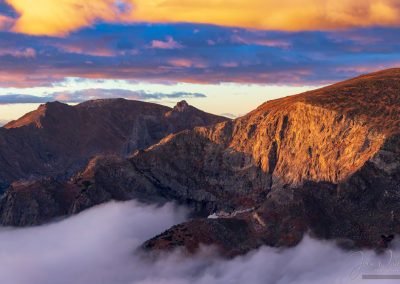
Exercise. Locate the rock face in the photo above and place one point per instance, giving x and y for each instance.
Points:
(57, 139)
(27, 202)
(325, 162)
(230, 236)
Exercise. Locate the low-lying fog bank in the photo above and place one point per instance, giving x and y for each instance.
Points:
(98, 246)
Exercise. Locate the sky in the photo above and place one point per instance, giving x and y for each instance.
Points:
(225, 57)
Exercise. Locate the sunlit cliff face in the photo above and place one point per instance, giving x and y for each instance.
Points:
(49, 17)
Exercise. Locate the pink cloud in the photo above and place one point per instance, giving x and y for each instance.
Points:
(230, 64)
(24, 53)
(101, 52)
(62, 97)
(262, 42)
(6, 22)
(187, 63)
(27, 52)
(170, 43)
(273, 43)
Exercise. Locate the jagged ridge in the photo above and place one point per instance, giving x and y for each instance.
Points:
(58, 139)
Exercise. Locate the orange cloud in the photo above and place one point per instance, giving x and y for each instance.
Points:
(272, 14)
(59, 17)
(49, 17)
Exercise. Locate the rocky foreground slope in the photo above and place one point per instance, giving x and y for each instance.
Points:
(325, 162)
(57, 139)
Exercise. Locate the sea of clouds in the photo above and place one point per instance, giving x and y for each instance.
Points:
(100, 246)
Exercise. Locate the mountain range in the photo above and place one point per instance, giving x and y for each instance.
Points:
(324, 163)
(57, 139)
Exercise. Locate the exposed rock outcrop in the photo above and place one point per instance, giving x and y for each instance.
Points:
(27, 202)
(230, 236)
(333, 156)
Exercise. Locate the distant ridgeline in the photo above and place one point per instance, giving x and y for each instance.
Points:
(57, 140)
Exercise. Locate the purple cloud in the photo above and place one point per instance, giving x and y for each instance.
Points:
(92, 94)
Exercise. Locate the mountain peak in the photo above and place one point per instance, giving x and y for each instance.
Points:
(181, 106)
(35, 117)
(52, 104)
(182, 112)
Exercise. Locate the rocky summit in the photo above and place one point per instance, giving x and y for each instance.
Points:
(57, 139)
(325, 162)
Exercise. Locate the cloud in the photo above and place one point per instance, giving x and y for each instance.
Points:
(22, 99)
(230, 115)
(6, 22)
(24, 53)
(98, 246)
(92, 51)
(272, 15)
(115, 51)
(92, 94)
(187, 63)
(280, 43)
(50, 17)
(169, 43)
(94, 247)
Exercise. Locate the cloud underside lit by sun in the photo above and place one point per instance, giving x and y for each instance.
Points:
(49, 17)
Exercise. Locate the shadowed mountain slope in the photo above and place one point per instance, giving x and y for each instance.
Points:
(57, 139)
